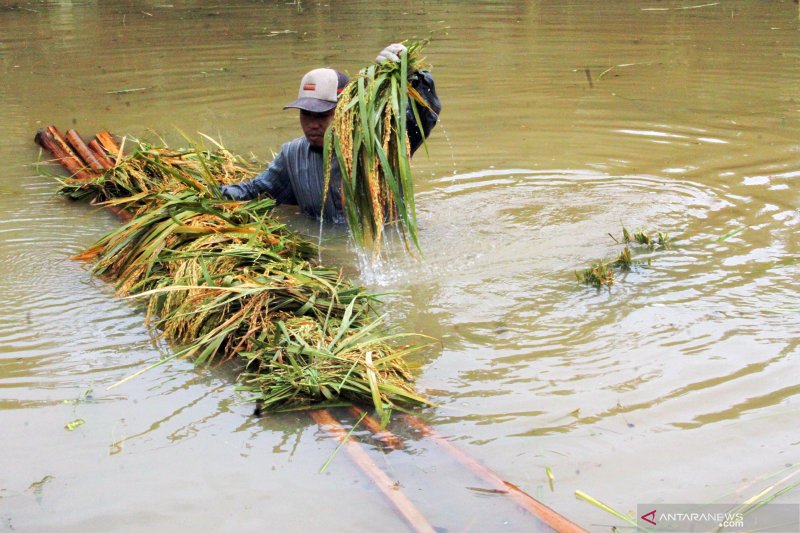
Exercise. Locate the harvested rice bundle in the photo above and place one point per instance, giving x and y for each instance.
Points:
(229, 282)
(152, 169)
(329, 359)
(368, 137)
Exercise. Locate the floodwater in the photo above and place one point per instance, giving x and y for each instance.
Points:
(562, 122)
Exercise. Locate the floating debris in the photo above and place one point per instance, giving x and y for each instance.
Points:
(37, 486)
(598, 274)
(71, 426)
(126, 91)
(642, 237)
(597, 503)
(602, 273)
(730, 234)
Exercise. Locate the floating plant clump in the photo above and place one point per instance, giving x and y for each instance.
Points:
(660, 240)
(603, 272)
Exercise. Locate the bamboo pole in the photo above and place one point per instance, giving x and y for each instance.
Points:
(66, 148)
(51, 140)
(107, 141)
(77, 144)
(124, 216)
(100, 154)
(523, 499)
(68, 159)
(526, 501)
(399, 500)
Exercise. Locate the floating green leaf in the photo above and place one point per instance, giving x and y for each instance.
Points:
(71, 426)
(582, 495)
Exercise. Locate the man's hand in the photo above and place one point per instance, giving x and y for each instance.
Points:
(391, 53)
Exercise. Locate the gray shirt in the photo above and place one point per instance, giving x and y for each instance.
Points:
(297, 177)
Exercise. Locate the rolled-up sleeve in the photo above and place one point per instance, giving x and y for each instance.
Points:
(273, 182)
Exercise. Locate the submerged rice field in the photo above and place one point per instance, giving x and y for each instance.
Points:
(562, 123)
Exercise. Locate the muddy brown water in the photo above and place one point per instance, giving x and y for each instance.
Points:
(562, 121)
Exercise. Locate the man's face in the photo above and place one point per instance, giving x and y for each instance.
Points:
(314, 126)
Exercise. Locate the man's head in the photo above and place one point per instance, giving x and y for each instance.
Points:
(316, 100)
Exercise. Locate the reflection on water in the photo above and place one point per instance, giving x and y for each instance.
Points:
(562, 123)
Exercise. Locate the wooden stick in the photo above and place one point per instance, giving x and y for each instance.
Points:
(121, 213)
(68, 160)
(100, 154)
(523, 499)
(76, 142)
(399, 500)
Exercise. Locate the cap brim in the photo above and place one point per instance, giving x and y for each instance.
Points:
(315, 105)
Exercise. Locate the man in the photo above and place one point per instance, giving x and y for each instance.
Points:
(297, 174)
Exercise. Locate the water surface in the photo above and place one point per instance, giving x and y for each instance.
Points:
(562, 122)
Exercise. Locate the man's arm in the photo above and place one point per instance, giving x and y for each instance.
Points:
(422, 81)
(273, 182)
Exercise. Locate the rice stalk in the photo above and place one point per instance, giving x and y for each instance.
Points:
(770, 493)
(228, 282)
(603, 272)
(660, 240)
(597, 503)
(598, 274)
(368, 138)
(624, 261)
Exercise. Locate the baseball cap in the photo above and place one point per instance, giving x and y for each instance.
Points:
(319, 90)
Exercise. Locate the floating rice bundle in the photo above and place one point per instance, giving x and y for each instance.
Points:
(133, 180)
(368, 137)
(602, 272)
(227, 281)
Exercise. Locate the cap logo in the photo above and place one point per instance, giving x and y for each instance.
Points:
(319, 90)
